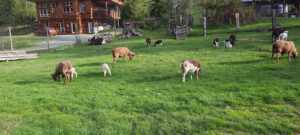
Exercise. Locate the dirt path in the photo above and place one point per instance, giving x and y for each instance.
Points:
(58, 41)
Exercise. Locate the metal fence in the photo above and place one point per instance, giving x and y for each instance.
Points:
(5, 39)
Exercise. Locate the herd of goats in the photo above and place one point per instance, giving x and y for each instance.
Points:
(280, 46)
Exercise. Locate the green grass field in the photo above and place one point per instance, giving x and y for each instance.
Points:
(240, 90)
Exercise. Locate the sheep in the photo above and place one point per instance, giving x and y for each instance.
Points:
(122, 52)
(227, 44)
(106, 69)
(158, 43)
(281, 47)
(216, 42)
(276, 32)
(63, 69)
(283, 36)
(148, 41)
(74, 73)
(192, 66)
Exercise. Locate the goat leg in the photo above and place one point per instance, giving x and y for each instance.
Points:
(197, 75)
(183, 77)
(278, 57)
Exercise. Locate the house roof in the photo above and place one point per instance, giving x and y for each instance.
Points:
(119, 2)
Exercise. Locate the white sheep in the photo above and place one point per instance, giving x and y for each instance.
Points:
(106, 69)
(74, 73)
(283, 36)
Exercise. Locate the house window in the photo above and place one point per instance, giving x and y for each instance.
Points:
(43, 9)
(81, 8)
(68, 7)
(53, 6)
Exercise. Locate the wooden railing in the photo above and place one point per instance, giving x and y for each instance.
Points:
(102, 14)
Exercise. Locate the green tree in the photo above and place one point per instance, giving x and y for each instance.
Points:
(136, 9)
(16, 11)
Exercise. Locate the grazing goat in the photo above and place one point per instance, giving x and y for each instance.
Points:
(122, 52)
(148, 41)
(216, 42)
(232, 39)
(74, 73)
(283, 36)
(63, 69)
(158, 43)
(106, 69)
(227, 44)
(276, 32)
(281, 47)
(192, 66)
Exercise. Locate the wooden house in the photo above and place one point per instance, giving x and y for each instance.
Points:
(76, 16)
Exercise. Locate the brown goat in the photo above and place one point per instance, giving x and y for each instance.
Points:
(63, 69)
(281, 47)
(148, 41)
(122, 52)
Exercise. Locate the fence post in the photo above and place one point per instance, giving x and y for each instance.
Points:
(115, 27)
(48, 44)
(204, 26)
(10, 37)
(237, 17)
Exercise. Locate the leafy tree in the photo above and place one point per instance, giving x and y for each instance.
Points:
(135, 9)
(16, 11)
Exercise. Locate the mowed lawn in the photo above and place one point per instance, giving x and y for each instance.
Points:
(240, 90)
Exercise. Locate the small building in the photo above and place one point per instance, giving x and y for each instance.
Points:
(76, 16)
(264, 7)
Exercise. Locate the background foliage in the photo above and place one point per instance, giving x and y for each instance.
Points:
(16, 11)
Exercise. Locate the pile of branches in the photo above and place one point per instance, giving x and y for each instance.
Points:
(100, 39)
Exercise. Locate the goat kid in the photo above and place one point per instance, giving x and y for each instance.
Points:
(190, 66)
(106, 69)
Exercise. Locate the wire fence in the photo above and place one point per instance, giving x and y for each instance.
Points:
(5, 39)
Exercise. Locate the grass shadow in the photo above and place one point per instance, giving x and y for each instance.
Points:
(89, 64)
(241, 62)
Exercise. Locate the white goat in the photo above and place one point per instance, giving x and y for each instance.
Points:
(283, 36)
(190, 66)
(227, 44)
(106, 69)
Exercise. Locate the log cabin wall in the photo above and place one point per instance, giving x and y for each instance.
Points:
(76, 16)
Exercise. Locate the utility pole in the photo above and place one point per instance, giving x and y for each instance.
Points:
(273, 14)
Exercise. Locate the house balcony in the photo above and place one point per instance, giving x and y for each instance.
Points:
(111, 14)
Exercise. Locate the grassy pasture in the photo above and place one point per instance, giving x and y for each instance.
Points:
(240, 90)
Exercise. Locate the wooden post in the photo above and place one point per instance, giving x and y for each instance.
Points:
(273, 15)
(10, 37)
(48, 44)
(116, 16)
(204, 26)
(76, 33)
(237, 17)
(115, 27)
(169, 27)
(106, 9)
